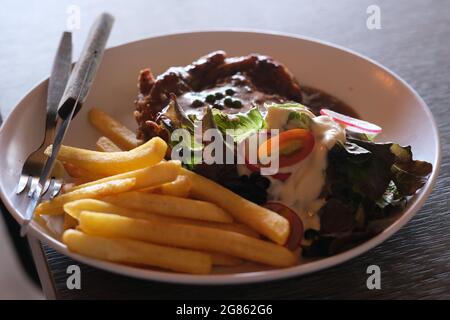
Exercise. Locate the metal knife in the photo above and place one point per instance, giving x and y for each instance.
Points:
(73, 98)
(62, 67)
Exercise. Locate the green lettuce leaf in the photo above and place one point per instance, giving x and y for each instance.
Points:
(390, 197)
(288, 105)
(243, 125)
(173, 117)
(407, 174)
(299, 120)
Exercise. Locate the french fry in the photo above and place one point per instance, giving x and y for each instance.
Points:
(160, 173)
(75, 208)
(66, 187)
(43, 223)
(105, 145)
(266, 222)
(180, 187)
(69, 222)
(185, 236)
(233, 227)
(40, 220)
(170, 206)
(220, 259)
(113, 129)
(55, 206)
(58, 169)
(111, 163)
(76, 172)
(137, 252)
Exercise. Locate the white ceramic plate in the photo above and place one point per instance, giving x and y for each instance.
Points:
(376, 93)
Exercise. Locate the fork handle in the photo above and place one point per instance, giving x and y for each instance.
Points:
(84, 71)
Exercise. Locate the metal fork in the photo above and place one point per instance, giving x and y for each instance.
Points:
(32, 167)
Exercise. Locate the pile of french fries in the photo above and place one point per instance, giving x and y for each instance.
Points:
(127, 204)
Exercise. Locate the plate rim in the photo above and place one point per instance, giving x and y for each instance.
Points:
(257, 276)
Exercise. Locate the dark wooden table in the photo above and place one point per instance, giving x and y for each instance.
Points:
(414, 41)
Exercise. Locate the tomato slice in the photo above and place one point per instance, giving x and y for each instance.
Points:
(252, 167)
(296, 225)
(256, 167)
(293, 146)
(282, 176)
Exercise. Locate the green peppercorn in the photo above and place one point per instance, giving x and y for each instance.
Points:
(229, 92)
(210, 98)
(219, 95)
(237, 104)
(228, 102)
(196, 103)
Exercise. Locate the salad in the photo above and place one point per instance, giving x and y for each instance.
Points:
(334, 183)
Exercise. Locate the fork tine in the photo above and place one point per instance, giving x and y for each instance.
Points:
(23, 182)
(51, 186)
(46, 186)
(57, 185)
(33, 185)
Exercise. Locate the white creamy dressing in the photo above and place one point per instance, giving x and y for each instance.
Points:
(277, 117)
(302, 189)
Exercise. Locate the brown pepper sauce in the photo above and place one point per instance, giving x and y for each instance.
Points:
(237, 94)
(316, 99)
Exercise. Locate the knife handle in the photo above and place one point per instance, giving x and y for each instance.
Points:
(84, 71)
(62, 65)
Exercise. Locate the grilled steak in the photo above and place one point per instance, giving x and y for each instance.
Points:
(230, 84)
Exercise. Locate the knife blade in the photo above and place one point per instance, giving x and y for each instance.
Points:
(73, 98)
